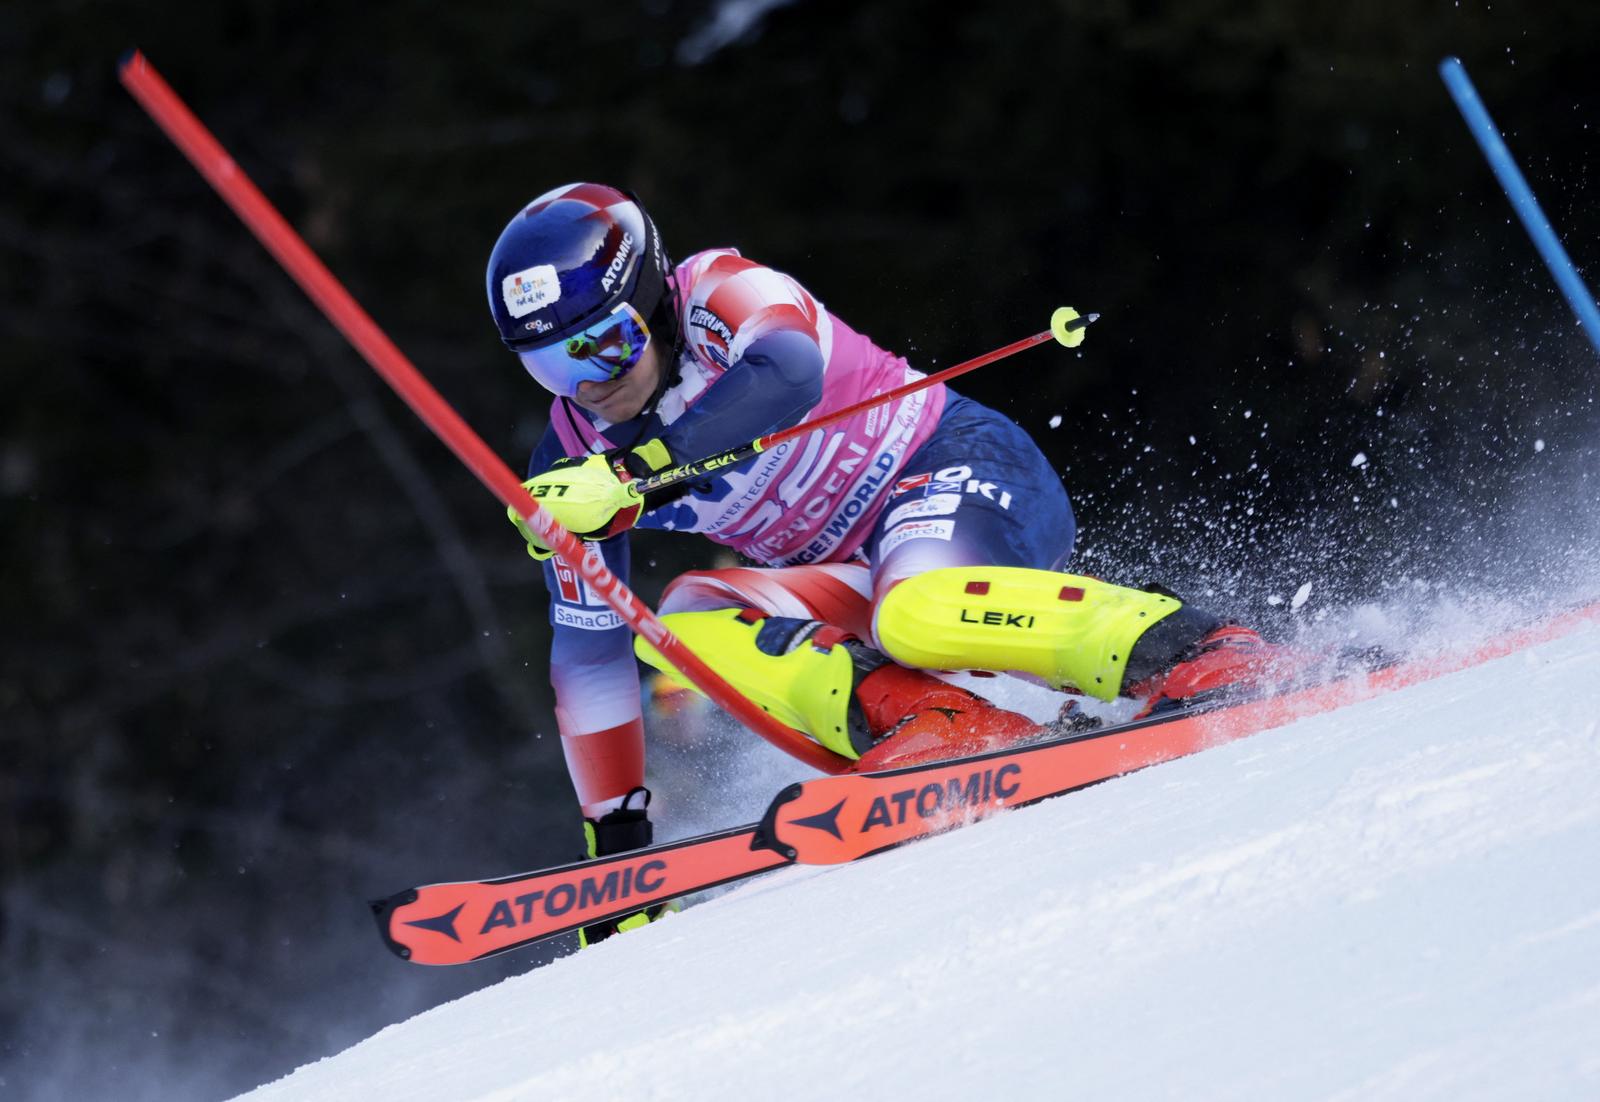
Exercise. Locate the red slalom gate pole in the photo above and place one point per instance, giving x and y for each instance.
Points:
(212, 161)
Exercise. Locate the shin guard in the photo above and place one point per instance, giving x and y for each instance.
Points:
(802, 672)
(1072, 631)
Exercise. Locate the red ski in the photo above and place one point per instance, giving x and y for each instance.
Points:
(455, 923)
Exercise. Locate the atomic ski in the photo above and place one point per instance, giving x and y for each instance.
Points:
(834, 819)
(460, 922)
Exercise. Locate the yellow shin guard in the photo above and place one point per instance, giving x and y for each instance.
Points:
(808, 688)
(1072, 631)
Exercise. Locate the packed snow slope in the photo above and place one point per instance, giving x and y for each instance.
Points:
(1398, 900)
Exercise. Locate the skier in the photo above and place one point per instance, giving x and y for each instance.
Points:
(926, 534)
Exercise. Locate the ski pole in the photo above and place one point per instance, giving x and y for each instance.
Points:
(257, 212)
(1066, 326)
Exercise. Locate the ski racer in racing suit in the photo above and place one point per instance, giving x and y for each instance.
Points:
(923, 534)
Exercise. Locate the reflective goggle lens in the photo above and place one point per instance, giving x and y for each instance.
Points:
(607, 350)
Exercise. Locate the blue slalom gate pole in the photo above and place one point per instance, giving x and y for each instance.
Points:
(1521, 196)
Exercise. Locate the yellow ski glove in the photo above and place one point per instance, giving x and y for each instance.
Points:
(591, 496)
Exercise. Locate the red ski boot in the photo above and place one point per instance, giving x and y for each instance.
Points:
(1229, 661)
(916, 717)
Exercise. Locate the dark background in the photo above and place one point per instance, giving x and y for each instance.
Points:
(269, 651)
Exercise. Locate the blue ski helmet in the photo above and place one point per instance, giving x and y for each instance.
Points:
(577, 282)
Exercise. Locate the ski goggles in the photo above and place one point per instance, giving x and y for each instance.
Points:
(608, 349)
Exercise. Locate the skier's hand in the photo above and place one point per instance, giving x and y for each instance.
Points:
(591, 496)
(647, 459)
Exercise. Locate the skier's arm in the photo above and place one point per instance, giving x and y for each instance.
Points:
(770, 387)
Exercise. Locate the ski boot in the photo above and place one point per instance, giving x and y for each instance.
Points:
(828, 684)
(916, 717)
(1230, 662)
(626, 828)
(1068, 630)
(1074, 632)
